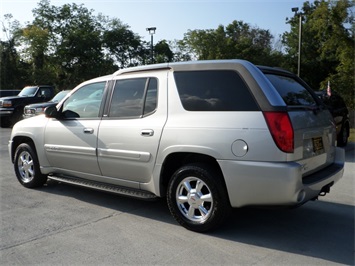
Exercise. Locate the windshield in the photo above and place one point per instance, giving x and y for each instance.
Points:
(28, 91)
(59, 96)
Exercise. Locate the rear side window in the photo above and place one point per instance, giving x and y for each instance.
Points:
(134, 98)
(214, 90)
(291, 91)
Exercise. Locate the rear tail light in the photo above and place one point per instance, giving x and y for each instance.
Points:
(281, 129)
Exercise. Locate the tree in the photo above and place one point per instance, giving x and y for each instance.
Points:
(11, 64)
(181, 51)
(68, 44)
(74, 42)
(327, 46)
(122, 44)
(162, 52)
(37, 45)
(236, 40)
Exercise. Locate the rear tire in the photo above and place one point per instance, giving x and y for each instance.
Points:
(26, 166)
(197, 197)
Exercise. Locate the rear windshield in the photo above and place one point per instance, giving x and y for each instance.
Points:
(214, 90)
(291, 91)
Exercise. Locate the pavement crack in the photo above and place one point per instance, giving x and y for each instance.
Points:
(59, 231)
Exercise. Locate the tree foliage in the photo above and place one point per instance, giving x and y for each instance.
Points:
(327, 51)
(163, 52)
(236, 40)
(65, 45)
(11, 64)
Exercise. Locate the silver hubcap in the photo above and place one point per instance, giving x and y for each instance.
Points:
(25, 167)
(194, 199)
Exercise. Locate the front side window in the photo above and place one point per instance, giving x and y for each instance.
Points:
(133, 98)
(214, 90)
(85, 102)
(44, 92)
(292, 92)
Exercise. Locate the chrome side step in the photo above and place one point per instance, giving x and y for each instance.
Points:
(123, 191)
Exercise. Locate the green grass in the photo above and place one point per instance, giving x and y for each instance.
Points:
(352, 135)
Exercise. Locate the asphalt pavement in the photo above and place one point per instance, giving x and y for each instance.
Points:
(60, 224)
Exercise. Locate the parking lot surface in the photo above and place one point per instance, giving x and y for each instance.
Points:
(66, 225)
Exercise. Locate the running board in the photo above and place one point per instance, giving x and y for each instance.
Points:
(123, 191)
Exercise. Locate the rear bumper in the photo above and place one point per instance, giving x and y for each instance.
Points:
(277, 184)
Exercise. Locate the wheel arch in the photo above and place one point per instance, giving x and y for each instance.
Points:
(176, 160)
(16, 141)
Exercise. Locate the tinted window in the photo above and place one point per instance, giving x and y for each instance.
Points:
(151, 97)
(45, 92)
(133, 97)
(221, 90)
(291, 91)
(85, 102)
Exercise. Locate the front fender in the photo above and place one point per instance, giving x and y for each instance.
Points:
(30, 130)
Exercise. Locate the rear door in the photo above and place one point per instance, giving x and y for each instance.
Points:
(130, 132)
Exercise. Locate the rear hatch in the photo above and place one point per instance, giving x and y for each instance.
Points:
(312, 123)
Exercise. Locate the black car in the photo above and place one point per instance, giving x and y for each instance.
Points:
(5, 93)
(38, 108)
(337, 107)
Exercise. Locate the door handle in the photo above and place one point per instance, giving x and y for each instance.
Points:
(147, 132)
(88, 130)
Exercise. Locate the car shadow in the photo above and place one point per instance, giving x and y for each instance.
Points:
(320, 229)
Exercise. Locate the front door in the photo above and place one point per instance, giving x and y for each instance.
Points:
(71, 141)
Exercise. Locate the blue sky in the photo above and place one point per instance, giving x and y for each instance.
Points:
(173, 18)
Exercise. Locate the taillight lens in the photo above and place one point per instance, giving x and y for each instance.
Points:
(281, 130)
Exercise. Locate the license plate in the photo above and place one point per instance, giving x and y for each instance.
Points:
(317, 144)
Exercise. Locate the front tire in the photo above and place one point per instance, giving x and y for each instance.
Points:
(197, 197)
(26, 166)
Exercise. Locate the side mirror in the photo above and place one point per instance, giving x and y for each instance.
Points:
(51, 112)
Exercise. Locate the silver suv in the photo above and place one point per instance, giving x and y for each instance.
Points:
(208, 136)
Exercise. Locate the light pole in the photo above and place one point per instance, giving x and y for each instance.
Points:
(299, 14)
(151, 31)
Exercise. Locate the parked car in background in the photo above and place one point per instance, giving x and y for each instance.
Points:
(11, 107)
(205, 135)
(340, 113)
(5, 93)
(38, 108)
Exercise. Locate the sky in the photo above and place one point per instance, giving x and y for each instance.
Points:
(173, 18)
